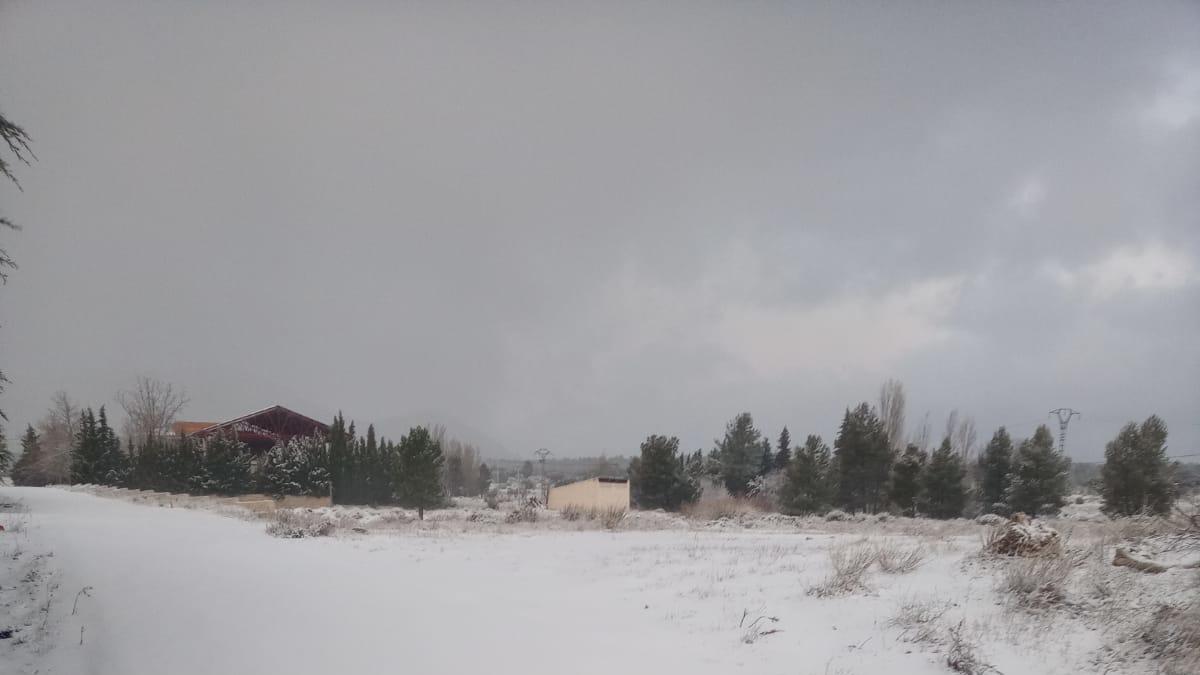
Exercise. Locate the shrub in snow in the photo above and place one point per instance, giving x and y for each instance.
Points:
(611, 517)
(849, 564)
(1024, 537)
(991, 519)
(525, 514)
(1037, 582)
(837, 515)
(299, 524)
(894, 559)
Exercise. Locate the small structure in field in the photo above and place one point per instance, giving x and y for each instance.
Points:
(592, 494)
(259, 430)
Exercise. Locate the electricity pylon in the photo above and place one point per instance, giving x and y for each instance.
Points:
(1064, 418)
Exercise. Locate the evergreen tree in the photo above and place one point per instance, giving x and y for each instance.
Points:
(864, 460)
(995, 465)
(419, 474)
(945, 494)
(908, 480)
(766, 463)
(1038, 483)
(783, 454)
(298, 467)
(6, 456)
(341, 441)
(182, 465)
(658, 477)
(226, 467)
(146, 465)
(1136, 477)
(485, 478)
(114, 465)
(29, 468)
(738, 454)
(806, 486)
(87, 452)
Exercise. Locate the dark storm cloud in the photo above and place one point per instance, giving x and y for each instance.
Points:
(572, 227)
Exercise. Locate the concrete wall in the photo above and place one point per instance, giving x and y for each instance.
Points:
(591, 494)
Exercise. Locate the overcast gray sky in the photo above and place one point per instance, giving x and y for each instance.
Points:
(571, 225)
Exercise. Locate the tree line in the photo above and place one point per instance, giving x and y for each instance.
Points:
(352, 469)
(871, 468)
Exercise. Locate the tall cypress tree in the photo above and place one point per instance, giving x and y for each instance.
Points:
(1039, 476)
(419, 474)
(908, 480)
(806, 486)
(995, 466)
(945, 494)
(738, 454)
(864, 460)
(783, 453)
(1136, 476)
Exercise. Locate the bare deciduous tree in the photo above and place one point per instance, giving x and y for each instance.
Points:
(57, 431)
(923, 434)
(150, 408)
(960, 429)
(891, 412)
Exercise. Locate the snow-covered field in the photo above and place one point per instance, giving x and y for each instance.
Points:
(192, 590)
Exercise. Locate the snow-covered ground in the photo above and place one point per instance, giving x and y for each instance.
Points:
(191, 590)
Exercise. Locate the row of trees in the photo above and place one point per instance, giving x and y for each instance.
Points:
(356, 470)
(866, 472)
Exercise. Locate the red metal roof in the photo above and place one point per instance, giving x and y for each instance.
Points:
(266, 427)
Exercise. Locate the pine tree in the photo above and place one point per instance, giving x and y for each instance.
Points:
(995, 466)
(864, 459)
(485, 478)
(86, 451)
(908, 480)
(419, 474)
(226, 466)
(766, 463)
(29, 468)
(658, 478)
(806, 486)
(783, 454)
(945, 494)
(1136, 476)
(738, 454)
(1038, 483)
(6, 456)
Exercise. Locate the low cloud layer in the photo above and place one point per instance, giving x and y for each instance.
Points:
(572, 227)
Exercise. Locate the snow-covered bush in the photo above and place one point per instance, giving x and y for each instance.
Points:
(299, 524)
(849, 563)
(297, 467)
(837, 515)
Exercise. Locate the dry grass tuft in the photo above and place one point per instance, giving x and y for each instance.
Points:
(961, 656)
(1038, 582)
(849, 564)
(299, 524)
(722, 507)
(918, 619)
(894, 559)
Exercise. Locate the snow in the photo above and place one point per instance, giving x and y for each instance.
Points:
(192, 591)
